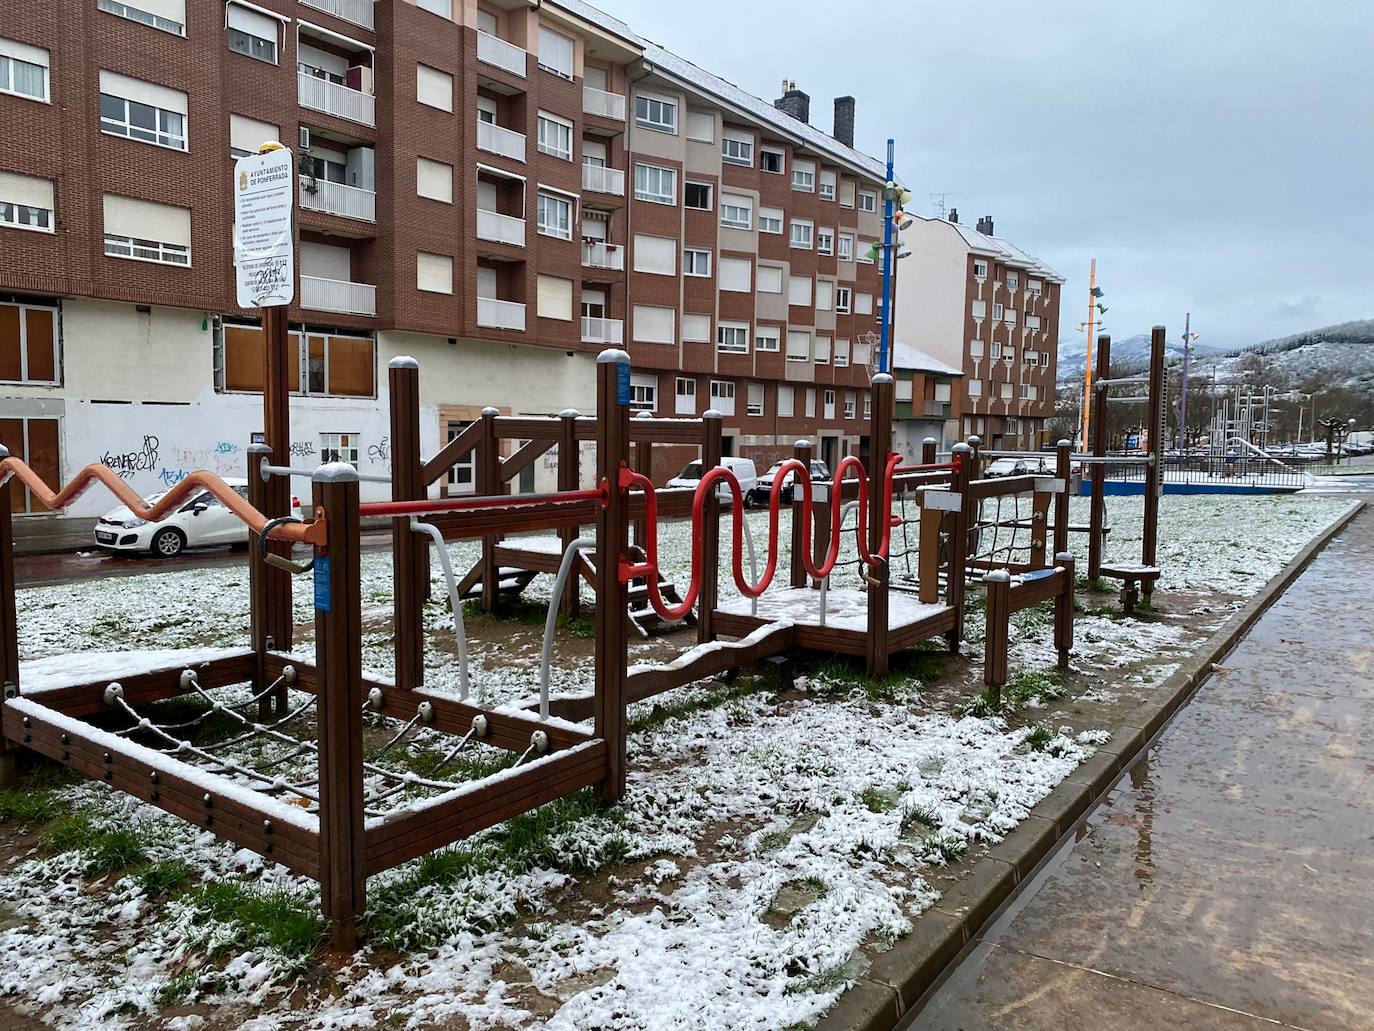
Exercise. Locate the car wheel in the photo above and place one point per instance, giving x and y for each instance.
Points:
(168, 543)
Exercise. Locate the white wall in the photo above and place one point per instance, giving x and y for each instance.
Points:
(930, 291)
(111, 350)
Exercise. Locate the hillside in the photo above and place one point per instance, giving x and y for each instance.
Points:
(1130, 349)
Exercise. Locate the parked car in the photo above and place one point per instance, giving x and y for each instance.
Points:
(1031, 465)
(820, 473)
(743, 468)
(202, 521)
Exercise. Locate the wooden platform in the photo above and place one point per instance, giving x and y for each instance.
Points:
(845, 629)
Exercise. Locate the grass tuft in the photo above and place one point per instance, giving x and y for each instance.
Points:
(914, 816)
(162, 877)
(876, 800)
(286, 922)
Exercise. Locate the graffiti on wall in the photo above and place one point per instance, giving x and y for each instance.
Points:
(143, 459)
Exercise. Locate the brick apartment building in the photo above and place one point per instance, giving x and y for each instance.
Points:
(500, 189)
(980, 304)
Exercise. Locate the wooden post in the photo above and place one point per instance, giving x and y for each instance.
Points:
(712, 423)
(275, 592)
(612, 452)
(998, 585)
(879, 518)
(959, 544)
(1097, 509)
(260, 575)
(569, 476)
(801, 451)
(1063, 470)
(410, 551)
(488, 484)
(928, 559)
(1063, 611)
(1040, 517)
(1154, 472)
(339, 676)
(9, 623)
(928, 450)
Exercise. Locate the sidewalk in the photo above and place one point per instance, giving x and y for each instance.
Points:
(1228, 880)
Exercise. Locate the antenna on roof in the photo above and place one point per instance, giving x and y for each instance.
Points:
(937, 202)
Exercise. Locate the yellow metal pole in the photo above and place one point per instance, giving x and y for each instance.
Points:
(1088, 363)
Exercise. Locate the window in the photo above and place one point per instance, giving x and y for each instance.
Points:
(555, 136)
(1044, 359)
(772, 160)
(696, 262)
(804, 176)
(246, 135)
(770, 279)
(654, 325)
(655, 184)
(846, 247)
(798, 345)
(736, 275)
(975, 388)
(997, 311)
(1029, 392)
(829, 402)
(1034, 287)
(755, 403)
(799, 291)
(975, 348)
(868, 200)
(942, 391)
(319, 363)
(555, 216)
(141, 111)
(29, 344)
(1009, 354)
(767, 338)
(443, 8)
(825, 294)
(643, 391)
(827, 185)
(979, 309)
(462, 475)
(785, 401)
(850, 404)
(810, 402)
(23, 70)
(770, 220)
(736, 212)
(846, 193)
(863, 304)
(1006, 391)
(554, 298)
(655, 254)
(339, 447)
(737, 148)
(252, 33)
(863, 352)
(865, 254)
(656, 113)
(821, 352)
(802, 232)
(176, 25)
(732, 338)
(696, 329)
(26, 202)
(842, 302)
(1032, 321)
(825, 241)
(723, 396)
(141, 230)
(1013, 281)
(434, 88)
(555, 53)
(685, 396)
(701, 126)
(434, 273)
(1010, 316)
(980, 269)
(696, 195)
(434, 179)
(842, 354)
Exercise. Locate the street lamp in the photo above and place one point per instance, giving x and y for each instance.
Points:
(895, 219)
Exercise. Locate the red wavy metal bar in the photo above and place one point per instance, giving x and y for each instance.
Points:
(648, 569)
(306, 533)
(400, 508)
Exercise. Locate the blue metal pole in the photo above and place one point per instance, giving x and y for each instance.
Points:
(885, 343)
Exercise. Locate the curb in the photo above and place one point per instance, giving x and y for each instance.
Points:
(894, 987)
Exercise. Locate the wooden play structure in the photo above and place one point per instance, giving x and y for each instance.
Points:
(350, 815)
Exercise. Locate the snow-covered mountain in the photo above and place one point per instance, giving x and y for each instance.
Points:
(1130, 349)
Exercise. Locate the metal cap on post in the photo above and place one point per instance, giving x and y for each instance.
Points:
(403, 361)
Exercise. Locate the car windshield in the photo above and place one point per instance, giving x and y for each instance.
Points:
(690, 471)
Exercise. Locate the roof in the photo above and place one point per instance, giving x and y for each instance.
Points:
(907, 356)
(995, 246)
(669, 63)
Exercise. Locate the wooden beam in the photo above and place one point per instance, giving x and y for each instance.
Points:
(410, 550)
(452, 453)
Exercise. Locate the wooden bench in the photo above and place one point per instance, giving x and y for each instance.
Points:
(1135, 580)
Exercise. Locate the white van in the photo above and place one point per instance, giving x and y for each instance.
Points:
(743, 468)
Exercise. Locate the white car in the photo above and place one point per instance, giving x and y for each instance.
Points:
(743, 468)
(201, 521)
(1031, 465)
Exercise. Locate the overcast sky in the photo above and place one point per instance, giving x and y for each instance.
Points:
(1215, 156)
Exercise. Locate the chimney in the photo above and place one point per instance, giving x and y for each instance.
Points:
(985, 225)
(794, 102)
(844, 120)
(954, 215)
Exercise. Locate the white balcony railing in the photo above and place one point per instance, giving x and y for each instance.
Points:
(338, 296)
(359, 12)
(599, 102)
(333, 99)
(338, 199)
(494, 314)
(492, 225)
(600, 179)
(602, 331)
(495, 50)
(596, 254)
(500, 140)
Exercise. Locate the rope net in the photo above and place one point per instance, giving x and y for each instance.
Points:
(1000, 531)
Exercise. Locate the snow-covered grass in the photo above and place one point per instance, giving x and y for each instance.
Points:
(765, 837)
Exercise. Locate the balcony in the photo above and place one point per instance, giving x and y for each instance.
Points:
(599, 102)
(599, 179)
(602, 331)
(338, 199)
(494, 50)
(494, 314)
(359, 12)
(338, 296)
(492, 225)
(497, 140)
(597, 254)
(333, 99)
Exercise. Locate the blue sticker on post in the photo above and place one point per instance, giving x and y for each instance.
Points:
(622, 383)
(322, 583)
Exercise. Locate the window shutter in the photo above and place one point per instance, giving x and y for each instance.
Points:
(434, 273)
(555, 298)
(142, 92)
(145, 220)
(26, 190)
